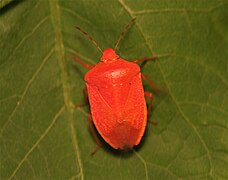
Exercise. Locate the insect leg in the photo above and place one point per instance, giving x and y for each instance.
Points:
(151, 83)
(145, 59)
(94, 134)
(156, 89)
(85, 96)
(79, 61)
(90, 122)
(150, 96)
(86, 102)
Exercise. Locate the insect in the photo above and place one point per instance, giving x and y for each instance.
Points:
(116, 97)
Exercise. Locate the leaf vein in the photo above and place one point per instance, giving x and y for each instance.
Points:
(43, 135)
(170, 10)
(144, 163)
(26, 37)
(75, 14)
(205, 105)
(171, 94)
(26, 90)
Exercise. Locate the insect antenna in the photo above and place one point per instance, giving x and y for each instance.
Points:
(124, 31)
(94, 42)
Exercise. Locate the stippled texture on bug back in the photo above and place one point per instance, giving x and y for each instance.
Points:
(117, 103)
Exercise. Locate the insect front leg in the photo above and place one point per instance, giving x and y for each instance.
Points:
(79, 61)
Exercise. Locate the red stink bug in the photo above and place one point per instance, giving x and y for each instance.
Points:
(116, 97)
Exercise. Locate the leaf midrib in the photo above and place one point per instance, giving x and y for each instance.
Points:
(59, 48)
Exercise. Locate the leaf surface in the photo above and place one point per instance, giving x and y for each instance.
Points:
(43, 135)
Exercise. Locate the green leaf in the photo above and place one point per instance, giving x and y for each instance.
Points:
(43, 135)
(4, 3)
